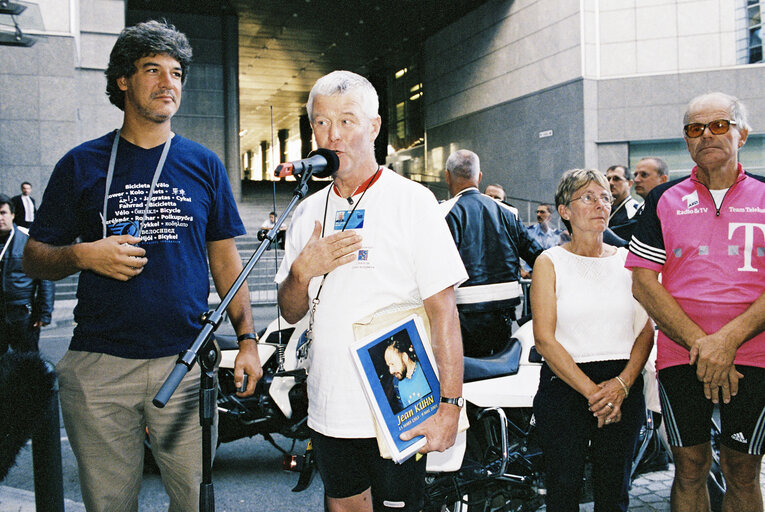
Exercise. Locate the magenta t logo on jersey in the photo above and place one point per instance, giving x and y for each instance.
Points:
(749, 234)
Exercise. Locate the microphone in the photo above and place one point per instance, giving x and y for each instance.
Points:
(321, 163)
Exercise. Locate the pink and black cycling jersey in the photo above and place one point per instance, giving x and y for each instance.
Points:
(712, 261)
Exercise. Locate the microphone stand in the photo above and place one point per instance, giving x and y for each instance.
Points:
(206, 353)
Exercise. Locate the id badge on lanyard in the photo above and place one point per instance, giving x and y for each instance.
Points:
(349, 219)
(155, 178)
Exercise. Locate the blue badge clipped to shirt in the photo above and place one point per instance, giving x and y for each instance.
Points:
(345, 219)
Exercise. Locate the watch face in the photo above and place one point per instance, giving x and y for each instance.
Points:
(459, 401)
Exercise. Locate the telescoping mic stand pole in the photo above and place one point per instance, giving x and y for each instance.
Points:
(204, 350)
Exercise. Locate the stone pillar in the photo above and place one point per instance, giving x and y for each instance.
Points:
(283, 135)
(305, 136)
(264, 146)
(233, 161)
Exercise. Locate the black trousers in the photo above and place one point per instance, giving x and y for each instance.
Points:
(17, 330)
(568, 431)
(485, 332)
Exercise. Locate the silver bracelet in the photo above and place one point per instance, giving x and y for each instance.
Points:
(624, 386)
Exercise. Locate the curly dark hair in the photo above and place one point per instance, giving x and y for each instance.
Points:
(403, 345)
(143, 40)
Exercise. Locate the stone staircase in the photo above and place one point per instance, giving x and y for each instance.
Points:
(257, 201)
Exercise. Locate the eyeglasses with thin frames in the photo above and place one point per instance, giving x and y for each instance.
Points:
(590, 198)
(716, 127)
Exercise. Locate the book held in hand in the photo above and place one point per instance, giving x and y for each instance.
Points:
(398, 374)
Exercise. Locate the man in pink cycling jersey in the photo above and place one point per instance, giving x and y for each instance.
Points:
(705, 235)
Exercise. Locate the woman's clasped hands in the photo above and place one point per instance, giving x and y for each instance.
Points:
(606, 403)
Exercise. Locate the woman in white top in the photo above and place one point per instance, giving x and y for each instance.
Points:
(595, 339)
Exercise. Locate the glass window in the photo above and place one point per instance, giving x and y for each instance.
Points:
(752, 154)
(754, 13)
(754, 37)
(754, 16)
(675, 153)
(406, 111)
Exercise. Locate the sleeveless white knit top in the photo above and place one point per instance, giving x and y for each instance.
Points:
(595, 308)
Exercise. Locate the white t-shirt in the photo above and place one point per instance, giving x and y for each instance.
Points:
(407, 255)
(597, 317)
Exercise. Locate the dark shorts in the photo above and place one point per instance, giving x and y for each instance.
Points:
(687, 412)
(350, 466)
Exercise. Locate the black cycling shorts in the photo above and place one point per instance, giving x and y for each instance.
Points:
(350, 466)
(687, 412)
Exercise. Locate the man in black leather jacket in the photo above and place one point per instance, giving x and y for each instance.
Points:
(26, 304)
(491, 240)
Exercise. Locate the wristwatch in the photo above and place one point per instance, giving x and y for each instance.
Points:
(459, 401)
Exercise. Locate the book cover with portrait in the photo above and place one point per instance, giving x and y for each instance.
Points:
(398, 373)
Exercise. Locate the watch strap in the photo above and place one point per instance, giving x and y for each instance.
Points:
(458, 401)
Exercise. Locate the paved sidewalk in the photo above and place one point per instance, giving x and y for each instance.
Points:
(650, 493)
(19, 500)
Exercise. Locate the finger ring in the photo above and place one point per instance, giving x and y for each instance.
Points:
(608, 421)
(610, 405)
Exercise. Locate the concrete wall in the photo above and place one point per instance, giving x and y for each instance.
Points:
(202, 116)
(52, 95)
(46, 108)
(503, 50)
(616, 72)
(651, 108)
(507, 139)
(627, 37)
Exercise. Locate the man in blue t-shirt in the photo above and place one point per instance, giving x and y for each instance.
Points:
(138, 212)
(410, 381)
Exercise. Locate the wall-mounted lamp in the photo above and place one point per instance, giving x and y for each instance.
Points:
(14, 37)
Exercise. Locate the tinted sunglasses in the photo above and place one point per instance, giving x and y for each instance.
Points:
(718, 127)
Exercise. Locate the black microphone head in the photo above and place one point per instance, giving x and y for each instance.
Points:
(333, 162)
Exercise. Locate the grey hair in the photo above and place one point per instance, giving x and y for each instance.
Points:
(464, 164)
(738, 111)
(345, 82)
(662, 169)
(571, 181)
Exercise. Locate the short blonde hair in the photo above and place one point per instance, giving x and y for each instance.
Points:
(571, 181)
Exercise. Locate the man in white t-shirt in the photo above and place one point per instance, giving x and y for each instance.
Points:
(267, 225)
(369, 242)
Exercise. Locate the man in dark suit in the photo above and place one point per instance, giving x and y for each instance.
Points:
(24, 206)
